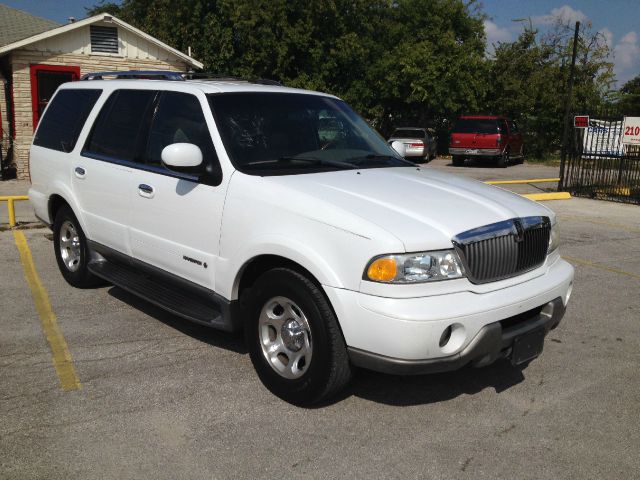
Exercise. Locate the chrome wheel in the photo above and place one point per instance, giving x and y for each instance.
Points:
(70, 246)
(285, 337)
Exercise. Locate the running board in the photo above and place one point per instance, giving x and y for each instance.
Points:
(172, 298)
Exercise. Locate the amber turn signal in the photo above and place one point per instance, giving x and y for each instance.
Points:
(383, 269)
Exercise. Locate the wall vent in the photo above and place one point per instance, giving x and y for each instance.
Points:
(104, 39)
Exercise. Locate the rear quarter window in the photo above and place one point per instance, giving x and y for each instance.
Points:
(469, 125)
(64, 118)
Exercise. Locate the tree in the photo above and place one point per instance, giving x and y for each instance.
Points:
(628, 99)
(529, 80)
(395, 61)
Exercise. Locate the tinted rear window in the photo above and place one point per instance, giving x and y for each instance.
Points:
(408, 133)
(467, 125)
(63, 120)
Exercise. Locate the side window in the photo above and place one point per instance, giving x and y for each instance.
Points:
(63, 120)
(514, 127)
(121, 127)
(179, 119)
(503, 127)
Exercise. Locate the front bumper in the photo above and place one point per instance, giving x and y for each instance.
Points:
(475, 152)
(403, 334)
(493, 341)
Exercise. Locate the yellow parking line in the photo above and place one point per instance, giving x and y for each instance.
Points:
(62, 360)
(547, 196)
(601, 267)
(522, 182)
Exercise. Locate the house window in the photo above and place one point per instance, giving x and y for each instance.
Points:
(104, 39)
(45, 80)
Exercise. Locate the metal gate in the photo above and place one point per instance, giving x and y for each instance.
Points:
(598, 165)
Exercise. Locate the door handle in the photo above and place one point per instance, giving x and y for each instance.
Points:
(79, 172)
(145, 190)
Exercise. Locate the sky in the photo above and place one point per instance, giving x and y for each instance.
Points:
(617, 20)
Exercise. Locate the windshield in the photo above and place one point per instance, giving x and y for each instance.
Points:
(467, 125)
(407, 133)
(285, 133)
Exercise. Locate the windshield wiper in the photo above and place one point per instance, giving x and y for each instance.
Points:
(373, 156)
(319, 161)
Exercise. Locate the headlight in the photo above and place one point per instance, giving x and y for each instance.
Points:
(414, 267)
(554, 238)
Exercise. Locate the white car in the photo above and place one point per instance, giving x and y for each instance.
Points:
(226, 203)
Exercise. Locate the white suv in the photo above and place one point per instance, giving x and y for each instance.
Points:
(248, 205)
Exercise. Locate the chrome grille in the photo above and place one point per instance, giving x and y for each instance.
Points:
(504, 249)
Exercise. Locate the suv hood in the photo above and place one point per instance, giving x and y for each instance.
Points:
(423, 208)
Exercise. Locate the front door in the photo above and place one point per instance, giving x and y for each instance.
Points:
(45, 80)
(175, 219)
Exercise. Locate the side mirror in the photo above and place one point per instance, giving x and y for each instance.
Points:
(180, 156)
(399, 147)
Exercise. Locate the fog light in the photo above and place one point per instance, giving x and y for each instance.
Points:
(446, 335)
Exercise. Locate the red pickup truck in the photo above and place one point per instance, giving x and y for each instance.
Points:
(486, 137)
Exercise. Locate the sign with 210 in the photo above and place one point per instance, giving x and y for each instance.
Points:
(631, 131)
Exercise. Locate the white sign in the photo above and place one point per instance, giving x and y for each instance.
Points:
(602, 138)
(631, 131)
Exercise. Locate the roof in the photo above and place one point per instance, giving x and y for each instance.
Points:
(57, 29)
(16, 25)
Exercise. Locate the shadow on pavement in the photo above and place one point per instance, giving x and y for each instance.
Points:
(424, 389)
(377, 387)
(216, 338)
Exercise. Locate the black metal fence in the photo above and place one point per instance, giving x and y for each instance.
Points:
(598, 165)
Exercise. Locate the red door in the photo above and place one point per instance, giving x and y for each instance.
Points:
(45, 80)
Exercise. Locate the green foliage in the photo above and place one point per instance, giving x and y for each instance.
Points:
(529, 79)
(628, 100)
(398, 62)
(404, 61)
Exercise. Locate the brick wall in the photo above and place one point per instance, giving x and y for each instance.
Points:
(4, 119)
(21, 60)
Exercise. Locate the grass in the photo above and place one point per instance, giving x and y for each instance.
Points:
(550, 161)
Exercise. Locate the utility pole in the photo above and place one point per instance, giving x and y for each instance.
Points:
(567, 111)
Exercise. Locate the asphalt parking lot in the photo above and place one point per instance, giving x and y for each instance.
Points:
(161, 398)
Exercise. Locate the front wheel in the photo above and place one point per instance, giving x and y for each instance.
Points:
(293, 338)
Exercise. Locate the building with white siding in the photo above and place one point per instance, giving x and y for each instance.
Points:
(37, 55)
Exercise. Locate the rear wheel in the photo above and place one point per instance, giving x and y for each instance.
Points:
(503, 160)
(458, 161)
(294, 340)
(72, 251)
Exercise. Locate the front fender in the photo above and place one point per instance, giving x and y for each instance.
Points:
(229, 270)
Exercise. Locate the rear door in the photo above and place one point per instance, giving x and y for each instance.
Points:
(413, 139)
(474, 134)
(175, 217)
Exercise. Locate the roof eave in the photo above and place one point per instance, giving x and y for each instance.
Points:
(99, 18)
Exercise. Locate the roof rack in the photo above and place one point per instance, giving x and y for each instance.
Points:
(222, 77)
(135, 74)
(177, 76)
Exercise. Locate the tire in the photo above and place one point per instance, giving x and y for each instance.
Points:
(503, 160)
(72, 250)
(285, 311)
(458, 161)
